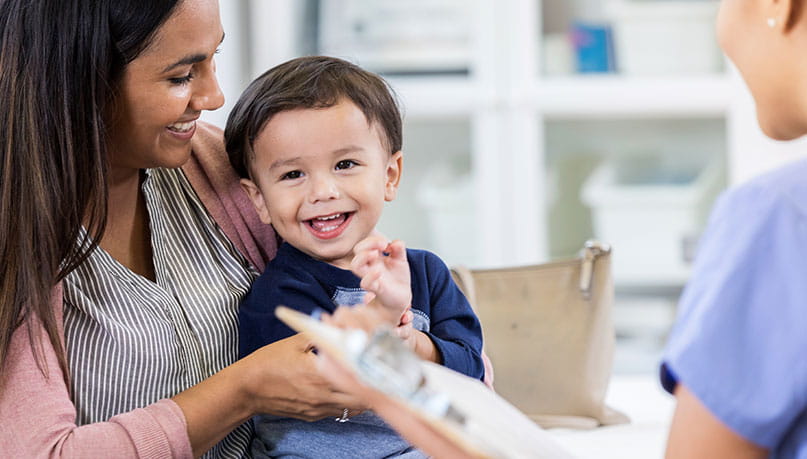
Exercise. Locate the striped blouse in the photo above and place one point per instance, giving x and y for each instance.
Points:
(130, 341)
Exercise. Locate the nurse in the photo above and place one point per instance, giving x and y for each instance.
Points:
(737, 357)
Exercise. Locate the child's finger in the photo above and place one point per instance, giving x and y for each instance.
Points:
(396, 250)
(368, 297)
(407, 317)
(370, 281)
(363, 261)
(372, 242)
(361, 267)
(403, 332)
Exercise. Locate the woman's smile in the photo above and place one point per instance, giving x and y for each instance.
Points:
(183, 130)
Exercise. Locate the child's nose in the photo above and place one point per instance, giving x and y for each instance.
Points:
(323, 188)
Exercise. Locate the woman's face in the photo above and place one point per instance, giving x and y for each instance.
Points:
(771, 55)
(164, 90)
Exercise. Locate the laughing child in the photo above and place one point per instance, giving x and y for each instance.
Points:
(317, 142)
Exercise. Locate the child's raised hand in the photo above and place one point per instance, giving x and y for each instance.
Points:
(384, 272)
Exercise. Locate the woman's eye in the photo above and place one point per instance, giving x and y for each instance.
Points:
(182, 80)
(291, 175)
(345, 164)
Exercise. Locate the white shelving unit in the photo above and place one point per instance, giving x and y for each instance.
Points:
(501, 122)
(620, 96)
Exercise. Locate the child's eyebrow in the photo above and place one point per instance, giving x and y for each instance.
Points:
(347, 149)
(284, 162)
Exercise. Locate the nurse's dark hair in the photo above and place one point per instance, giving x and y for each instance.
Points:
(60, 64)
(309, 82)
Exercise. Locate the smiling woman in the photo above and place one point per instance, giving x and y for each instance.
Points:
(126, 242)
(163, 92)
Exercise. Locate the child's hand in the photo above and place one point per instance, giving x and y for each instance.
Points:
(405, 331)
(384, 272)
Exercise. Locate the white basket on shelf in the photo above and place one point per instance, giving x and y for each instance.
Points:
(652, 215)
(665, 37)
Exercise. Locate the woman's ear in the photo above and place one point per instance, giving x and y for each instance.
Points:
(784, 14)
(796, 9)
(394, 169)
(254, 192)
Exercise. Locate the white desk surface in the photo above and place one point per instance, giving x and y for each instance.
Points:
(650, 409)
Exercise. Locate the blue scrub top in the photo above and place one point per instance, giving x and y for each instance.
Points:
(740, 339)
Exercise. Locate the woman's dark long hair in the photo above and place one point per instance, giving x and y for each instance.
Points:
(60, 61)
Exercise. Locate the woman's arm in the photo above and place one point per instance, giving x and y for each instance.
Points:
(280, 379)
(696, 432)
(40, 418)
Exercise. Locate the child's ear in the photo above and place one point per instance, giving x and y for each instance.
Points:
(394, 169)
(256, 197)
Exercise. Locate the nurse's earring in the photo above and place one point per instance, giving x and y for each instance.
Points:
(771, 22)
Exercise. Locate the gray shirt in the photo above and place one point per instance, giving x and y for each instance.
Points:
(130, 341)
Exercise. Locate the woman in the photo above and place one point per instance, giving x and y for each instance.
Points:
(121, 272)
(735, 359)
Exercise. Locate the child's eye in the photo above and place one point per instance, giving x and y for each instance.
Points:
(291, 175)
(345, 164)
(182, 80)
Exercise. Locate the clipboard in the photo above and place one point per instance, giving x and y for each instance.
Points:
(460, 408)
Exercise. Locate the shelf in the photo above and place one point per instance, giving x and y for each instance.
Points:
(620, 96)
(437, 96)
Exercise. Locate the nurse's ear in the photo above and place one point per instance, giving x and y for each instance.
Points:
(783, 14)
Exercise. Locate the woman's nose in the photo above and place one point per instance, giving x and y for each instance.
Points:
(207, 92)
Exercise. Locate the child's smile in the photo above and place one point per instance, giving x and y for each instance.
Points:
(330, 226)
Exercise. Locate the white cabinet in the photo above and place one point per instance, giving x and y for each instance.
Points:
(495, 157)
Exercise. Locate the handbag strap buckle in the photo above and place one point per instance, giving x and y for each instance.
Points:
(591, 251)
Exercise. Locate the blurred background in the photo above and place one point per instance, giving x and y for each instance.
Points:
(531, 126)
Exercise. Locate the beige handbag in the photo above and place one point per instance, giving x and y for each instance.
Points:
(549, 333)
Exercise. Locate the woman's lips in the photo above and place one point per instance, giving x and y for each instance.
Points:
(183, 130)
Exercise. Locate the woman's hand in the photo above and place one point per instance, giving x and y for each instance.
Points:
(401, 417)
(282, 379)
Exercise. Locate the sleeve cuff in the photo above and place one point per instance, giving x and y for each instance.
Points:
(158, 430)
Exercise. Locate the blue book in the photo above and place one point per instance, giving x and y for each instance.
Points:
(594, 49)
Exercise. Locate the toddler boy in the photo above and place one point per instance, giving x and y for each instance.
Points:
(317, 142)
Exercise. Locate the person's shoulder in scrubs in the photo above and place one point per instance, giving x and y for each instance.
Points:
(740, 339)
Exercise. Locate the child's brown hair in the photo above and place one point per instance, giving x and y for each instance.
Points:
(309, 82)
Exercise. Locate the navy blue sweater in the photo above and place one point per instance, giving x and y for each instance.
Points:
(300, 282)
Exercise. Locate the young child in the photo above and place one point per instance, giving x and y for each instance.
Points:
(317, 142)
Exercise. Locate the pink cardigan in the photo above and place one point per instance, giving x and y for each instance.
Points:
(38, 417)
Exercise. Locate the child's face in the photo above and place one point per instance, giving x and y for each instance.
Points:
(321, 177)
